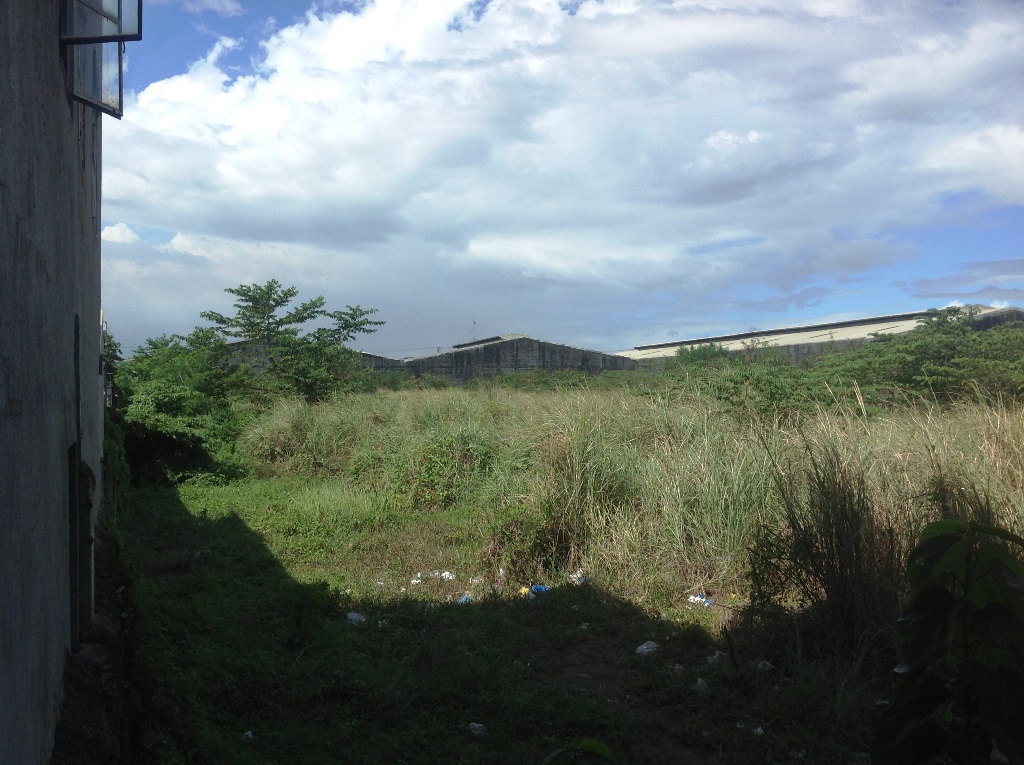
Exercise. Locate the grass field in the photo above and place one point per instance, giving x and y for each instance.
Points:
(394, 506)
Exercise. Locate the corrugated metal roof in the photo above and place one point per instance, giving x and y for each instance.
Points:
(486, 340)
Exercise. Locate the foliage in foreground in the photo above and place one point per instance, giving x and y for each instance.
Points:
(244, 593)
(960, 692)
(657, 489)
(249, 583)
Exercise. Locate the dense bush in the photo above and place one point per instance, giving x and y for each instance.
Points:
(185, 399)
(945, 358)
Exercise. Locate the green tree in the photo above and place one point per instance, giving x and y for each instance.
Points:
(176, 404)
(258, 314)
(347, 324)
(278, 357)
(111, 350)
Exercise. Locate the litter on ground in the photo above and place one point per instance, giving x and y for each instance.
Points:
(646, 648)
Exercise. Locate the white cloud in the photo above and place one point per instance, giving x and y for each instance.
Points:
(220, 7)
(991, 158)
(120, 233)
(610, 150)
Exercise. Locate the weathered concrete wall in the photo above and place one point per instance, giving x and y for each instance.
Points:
(997, 317)
(382, 363)
(522, 354)
(49, 274)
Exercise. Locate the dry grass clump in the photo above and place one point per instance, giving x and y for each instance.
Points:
(852, 508)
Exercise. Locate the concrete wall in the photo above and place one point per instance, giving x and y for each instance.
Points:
(382, 363)
(49, 274)
(997, 317)
(521, 354)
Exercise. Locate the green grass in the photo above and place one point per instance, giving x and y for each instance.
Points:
(242, 589)
(243, 592)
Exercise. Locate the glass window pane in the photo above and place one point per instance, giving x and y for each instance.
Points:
(102, 20)
(131, 19)
(108, 8)
(96, 76)
(90, 19)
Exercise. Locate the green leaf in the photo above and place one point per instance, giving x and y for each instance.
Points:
(996, 531)
(594, 747)
(945, 527)
(985, 591)
(923, 559)
(954, 561)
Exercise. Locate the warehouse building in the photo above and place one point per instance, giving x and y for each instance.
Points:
(502, 355)
(802, 342)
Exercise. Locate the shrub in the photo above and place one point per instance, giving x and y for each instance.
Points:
(960, 686)
(444, 466)
(835, 557)
(587, 470)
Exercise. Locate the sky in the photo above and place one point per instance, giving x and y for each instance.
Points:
(598, 173)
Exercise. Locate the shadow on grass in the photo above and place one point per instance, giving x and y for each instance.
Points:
(244, 664)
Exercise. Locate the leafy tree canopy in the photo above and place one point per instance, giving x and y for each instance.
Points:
(259, 316)
(347, 324)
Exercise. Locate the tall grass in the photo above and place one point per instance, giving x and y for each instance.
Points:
(660, 495)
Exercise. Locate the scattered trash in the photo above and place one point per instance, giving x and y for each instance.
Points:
(448, 576)
(417, 580)
(248, 737)
(381, 583)
(474, 580)
(501, 578)
(529, 593)
(700, 686)
(478, 729)
(758, 731)
(763, 665)
(578, 578)
(585, 626)
(354, 617)
(702, 600)
(679, 669)
(465, 598)
(647, 648)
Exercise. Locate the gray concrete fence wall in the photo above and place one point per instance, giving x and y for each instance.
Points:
(50, 383)
(521, 354)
